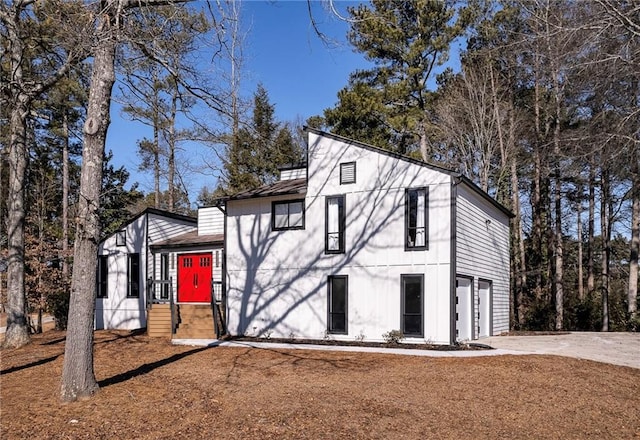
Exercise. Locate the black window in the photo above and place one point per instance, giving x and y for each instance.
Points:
(347, 173)
(103, 276)
(337, 307)
(416, 219)
(334, 225)
(412, 304)
(164, 275)
(133, 275)
(287, 215)
(121, 238)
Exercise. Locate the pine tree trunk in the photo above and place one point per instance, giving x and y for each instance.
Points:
(172, 149)
(559, 276)
(156, 167)
(17, 333)
(65, 194)
(521, 273)
(156, 147)
(78, 378)
(580, 251)
(606, 251)
(558, 244)
(632, 294)
(591, 273)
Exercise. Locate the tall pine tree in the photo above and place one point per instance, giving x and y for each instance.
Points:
(258, 149)
(391, 104)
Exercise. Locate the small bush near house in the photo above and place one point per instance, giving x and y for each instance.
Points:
(393, 337)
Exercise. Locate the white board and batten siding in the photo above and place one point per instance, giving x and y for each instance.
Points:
(483, 254)
(277, 280)
(160, 229)
(117, 311)
(293, 173)
(210, 221)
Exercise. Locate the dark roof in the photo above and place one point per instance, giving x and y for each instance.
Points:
(280, 188)
(154, 211)
(381, 151)
(421, 163)
(292, 166)
(189, 239)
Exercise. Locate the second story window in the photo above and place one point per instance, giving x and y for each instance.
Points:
(334, 225)
(416, 220)
(288, 214)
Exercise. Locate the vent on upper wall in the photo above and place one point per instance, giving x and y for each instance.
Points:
(347, 173)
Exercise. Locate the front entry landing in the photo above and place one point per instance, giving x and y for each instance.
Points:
(194, 278)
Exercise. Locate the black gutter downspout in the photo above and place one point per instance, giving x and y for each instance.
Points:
(455, 181)
(223, 210)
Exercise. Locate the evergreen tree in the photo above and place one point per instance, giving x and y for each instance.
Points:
(258, 149)
(391, 104)
(116, 201)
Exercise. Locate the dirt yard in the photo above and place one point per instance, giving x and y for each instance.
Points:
(153, 390)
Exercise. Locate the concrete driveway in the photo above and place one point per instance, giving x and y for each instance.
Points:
(613, 348)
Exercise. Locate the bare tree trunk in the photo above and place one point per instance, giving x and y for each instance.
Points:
(424, 144)
(558, 244)
(606, 250)
(558, 280)
(65, 194)
(17, 333)
(521, 275)
(632, 294)
(78, 378)
(156, 167)
(172, 148)
(538, 209)
(580, 250)
(156, 144)
(591, 273)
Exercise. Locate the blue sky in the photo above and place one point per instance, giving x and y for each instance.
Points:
(282, 51)
(301, 74)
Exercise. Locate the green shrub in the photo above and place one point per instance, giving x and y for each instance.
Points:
(393, 336)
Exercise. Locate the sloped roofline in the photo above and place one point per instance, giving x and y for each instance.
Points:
(279, 188)
(155, 211)
(459, 176)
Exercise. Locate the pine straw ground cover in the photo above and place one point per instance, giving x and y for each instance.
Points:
(153, 390)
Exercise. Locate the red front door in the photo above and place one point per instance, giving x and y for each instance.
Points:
(194, 278)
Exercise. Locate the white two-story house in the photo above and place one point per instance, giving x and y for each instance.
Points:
(361, 241)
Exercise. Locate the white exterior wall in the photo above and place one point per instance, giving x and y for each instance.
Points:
(295, 173)
(482, 248)
(117, 311)
(277, 281)
(210, 221)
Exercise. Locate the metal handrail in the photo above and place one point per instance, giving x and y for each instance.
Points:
(217, 324)
(172, 307)
(152, 298)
